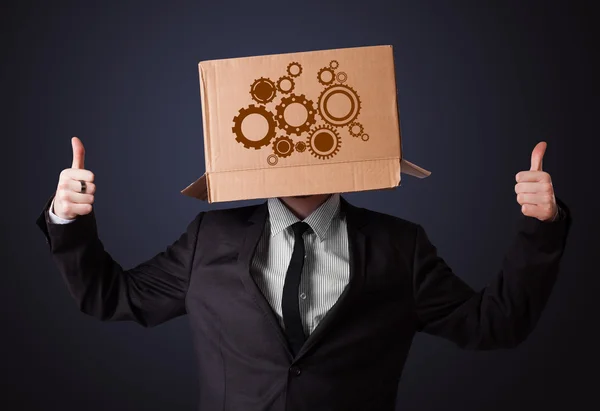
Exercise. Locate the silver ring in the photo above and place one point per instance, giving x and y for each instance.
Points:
(83, 186)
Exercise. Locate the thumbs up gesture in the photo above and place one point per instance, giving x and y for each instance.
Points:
(534, 189)
(75, 192)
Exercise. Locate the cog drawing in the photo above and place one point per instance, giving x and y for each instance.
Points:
(326, 76)
(301, 146)
(295, 114)
(285, 84)
(262, 140)
(338, 105)
(347, 103)
(355, 129)
(324, 142)
(341, 77)
(283, 146)
(263, 90)
(294, 69)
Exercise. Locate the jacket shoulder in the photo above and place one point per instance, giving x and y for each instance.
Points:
(387, 221)
(232, 216)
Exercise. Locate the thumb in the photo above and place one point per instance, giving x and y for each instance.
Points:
(537, 155)
(78, 153)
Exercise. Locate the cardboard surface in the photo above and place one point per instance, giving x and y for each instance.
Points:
(300, 123)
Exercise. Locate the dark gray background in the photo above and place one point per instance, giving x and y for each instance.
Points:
(479, 84)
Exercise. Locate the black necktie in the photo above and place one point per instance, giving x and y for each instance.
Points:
(291, 310)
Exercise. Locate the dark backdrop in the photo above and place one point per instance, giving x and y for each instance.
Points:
(479, 84)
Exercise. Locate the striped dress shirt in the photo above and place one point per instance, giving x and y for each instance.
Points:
(326, 270)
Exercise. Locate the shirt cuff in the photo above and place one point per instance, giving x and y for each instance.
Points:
(54, 219)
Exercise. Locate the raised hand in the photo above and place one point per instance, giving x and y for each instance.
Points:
(534, 189)
(69, 201)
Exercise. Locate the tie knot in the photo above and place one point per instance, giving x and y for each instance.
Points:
(299, 228)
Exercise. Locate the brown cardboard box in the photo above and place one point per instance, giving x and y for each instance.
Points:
(300, 123)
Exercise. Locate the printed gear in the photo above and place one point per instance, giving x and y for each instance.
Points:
(281, 80)
(263, 90)
(301, 146)
(310, 114)
(341, 77)
(319, 146)
(334, 64)
(237, 126)
(272, 159)
(292, 64)
(358, 125)
(283, 146)
(341, 89)
(320, 76)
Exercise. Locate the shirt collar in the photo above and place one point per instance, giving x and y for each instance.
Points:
(280, 217)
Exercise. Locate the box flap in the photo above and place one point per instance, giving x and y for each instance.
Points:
(406, 167)
(385, 179)
(198, 189)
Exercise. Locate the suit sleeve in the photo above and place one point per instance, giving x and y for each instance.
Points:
(150, 293)
(503, 313)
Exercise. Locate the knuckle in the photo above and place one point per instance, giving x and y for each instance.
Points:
(91, 176)
(62, 195)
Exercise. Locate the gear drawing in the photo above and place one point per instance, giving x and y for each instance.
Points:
(341, 77)
(365, 137)
(291, 100)
(345, 92)
(243, 114)
(334, 64)
(285, 84)
(294, 69)
(272, 159)
(324, 142)
(283, 146)
(263, 90)
(301, 146)
(355, 129)
(326, 76)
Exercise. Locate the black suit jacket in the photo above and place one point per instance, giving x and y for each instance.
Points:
(353, 360)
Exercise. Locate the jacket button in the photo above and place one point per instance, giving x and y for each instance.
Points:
(296, 371)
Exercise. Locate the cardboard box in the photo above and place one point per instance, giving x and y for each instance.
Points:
(300, 123)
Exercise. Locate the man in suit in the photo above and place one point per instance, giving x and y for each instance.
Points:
(308, 303)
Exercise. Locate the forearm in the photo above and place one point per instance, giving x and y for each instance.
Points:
(149, 293)
(504, 312)
(98, 284)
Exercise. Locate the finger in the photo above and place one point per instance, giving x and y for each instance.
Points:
(77, 174)
(535, 199)
(78, 153)
(71, 197)
(537, 156)
(540, 212)
(537, 187)
(532, 176)
(75, 186)
(77, 209)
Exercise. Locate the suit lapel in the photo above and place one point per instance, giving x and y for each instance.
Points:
(252, 234)
(356, 243)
